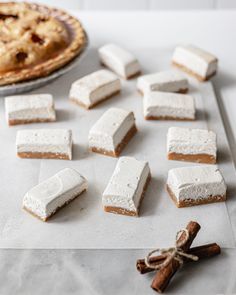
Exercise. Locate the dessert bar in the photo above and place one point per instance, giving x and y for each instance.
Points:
(195, 61)
(126, 188)
(44, 143)
(46, 198)
(168, 106)
(34, 108)
(166, 81)
(119, 60)
(94, 88)
(193, 145)
(196, 185)
(112, 132)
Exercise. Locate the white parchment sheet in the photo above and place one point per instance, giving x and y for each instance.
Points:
(83, 224)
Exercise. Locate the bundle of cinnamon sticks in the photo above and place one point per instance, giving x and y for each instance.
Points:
(164, 274)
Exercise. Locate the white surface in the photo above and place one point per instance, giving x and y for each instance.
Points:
(104, 272)
(182, 4)
(140, 4)
(79, 218)
(125, 188)
(196, 182)
(46, 197)
(191, 141)
(110, 129)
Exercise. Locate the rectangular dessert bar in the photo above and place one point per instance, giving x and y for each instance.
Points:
(195, 61)
(46, 198)
(119, 60)
(126, 188)
(167, 81)
(112, 132)
(168, 106)
(44, 143)
(193, 145)
(94, 88)
(189, 186)
(33, 108)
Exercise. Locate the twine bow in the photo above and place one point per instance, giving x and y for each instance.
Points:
(171, 253)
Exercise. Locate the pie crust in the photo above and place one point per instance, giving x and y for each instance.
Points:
(36, 40)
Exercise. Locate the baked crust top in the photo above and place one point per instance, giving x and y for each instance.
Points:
(35, 40)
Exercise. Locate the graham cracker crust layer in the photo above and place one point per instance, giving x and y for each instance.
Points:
(193, 202)
(123, 211)
(12, 122)
(192, 73)
(133, 75)
(181, 91)
(74, 100)
(36, 155)
(120, 147)
(166, 118)
(119, 210)
(56, 210)
(197, 158)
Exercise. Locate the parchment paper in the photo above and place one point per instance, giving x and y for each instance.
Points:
(83, 224)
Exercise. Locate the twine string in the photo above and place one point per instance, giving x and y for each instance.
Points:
(171, 253)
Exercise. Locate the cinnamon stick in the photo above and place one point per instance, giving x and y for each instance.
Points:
(204, 251)
(164, 275)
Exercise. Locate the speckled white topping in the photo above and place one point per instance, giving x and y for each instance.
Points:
(29, 107)
(191, 141)
(126, 185)
(196, 60)
(196, 182)
(168, 81)
(165, 104)
(95, 87)
(46, 197)
(119, 60)
(44, 141)
(108, 132)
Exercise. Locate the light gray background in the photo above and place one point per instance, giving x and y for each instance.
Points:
(113, 272)
(140, 4)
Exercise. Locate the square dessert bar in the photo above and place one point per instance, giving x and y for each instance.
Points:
(44, 144)
(94, 88)
(112, 132)
(33, 108)
(196, 185)
(195, 61)
(168, 106)
(126, 188)
(167, 81)
(46, 198)
(193, 145)
(119, 60)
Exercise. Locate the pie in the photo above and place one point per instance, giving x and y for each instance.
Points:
(36, 40)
